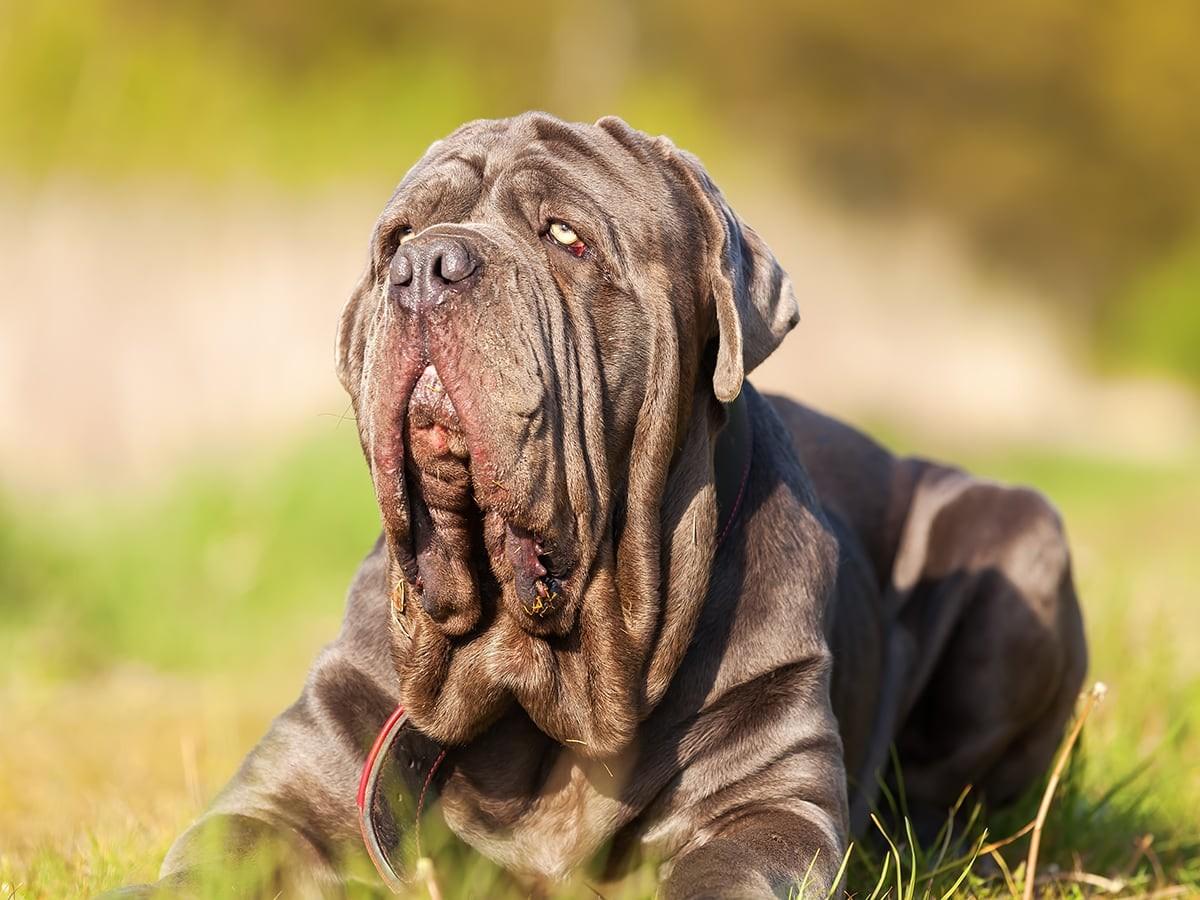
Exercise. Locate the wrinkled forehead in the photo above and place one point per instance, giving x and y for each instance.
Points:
(532, 166)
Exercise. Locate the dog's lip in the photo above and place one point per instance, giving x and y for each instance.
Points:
(508, 564)
(532, 553)
(441, 478)
(524, 550)
(429, 405)
(521, 541)
(525, 546)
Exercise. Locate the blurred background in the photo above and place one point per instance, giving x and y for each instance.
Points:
(991, 215)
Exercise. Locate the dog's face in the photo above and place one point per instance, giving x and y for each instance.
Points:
(549, 311)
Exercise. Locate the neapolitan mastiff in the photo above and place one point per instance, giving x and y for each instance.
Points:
(629, 605)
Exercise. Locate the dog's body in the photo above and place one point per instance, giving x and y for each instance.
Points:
(611, 628)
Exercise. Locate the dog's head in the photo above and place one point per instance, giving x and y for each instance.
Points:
(535, 352)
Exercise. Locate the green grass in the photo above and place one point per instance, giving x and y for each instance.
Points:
(256, 547)
(147, 637)
(1155, 326)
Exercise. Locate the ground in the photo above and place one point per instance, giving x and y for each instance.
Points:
(136, 633)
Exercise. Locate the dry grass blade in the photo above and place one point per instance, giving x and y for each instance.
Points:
(1178, 890)
(1139, 850)
(426, 874)
(602, 762)
(1005, 871)
(1159, 874)
(1108, 885)
(1015, 836)
(1094, 696)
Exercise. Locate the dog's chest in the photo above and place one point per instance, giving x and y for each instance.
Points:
(549, 830)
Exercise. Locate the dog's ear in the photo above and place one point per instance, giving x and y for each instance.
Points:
(755, 304)
(348, 351)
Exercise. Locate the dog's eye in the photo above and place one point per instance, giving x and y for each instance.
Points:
(565, 235)
(406, 234)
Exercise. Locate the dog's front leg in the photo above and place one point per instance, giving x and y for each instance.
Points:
(240, 855)
(761, 810)
(761, 852)
(287, 824)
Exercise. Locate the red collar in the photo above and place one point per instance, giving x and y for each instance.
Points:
(731, 464)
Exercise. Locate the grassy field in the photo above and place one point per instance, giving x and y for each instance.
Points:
(147, 639)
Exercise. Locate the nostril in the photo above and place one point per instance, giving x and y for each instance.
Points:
(402, 269)
(454, 263)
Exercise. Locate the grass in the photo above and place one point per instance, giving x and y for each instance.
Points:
(1155, 326)
(148, 637)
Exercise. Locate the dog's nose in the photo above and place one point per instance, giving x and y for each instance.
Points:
(427, 270)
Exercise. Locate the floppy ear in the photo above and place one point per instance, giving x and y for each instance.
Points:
(348, 351)
(755, 304)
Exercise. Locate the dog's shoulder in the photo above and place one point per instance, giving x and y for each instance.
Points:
(861, 485)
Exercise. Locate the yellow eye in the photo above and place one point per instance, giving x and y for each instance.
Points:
(406, 234)
(563, 233)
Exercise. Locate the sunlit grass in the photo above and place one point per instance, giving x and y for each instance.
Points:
(148, 639)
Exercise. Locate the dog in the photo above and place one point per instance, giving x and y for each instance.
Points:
(623, 605)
